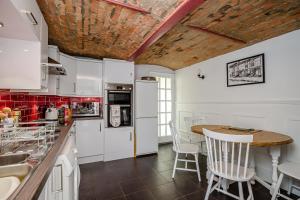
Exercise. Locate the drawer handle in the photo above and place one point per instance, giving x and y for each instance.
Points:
(31, 17)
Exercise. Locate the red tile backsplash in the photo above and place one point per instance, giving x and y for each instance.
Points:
(29, 104)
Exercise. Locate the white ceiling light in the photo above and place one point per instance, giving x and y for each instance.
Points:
(26, 50)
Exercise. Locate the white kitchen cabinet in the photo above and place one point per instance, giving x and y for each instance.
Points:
(90, 140)
(67, 84)
(20, 64)
(118, 143)
(24, 47)
(118, 71)
(89, 77)
(31, 14)
(44, 53)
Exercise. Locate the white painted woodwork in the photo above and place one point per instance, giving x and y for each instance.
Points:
(119, 143)
(89, 77)
(273, 106)
(90, 138)
(67, 84)
(118, 71)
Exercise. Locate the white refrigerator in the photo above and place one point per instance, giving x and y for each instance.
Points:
(146, 117)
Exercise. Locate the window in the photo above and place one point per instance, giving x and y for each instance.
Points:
(164, 105)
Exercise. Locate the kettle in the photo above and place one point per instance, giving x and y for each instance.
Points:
(51, 113)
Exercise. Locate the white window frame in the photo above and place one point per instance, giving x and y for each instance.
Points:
(165, 139)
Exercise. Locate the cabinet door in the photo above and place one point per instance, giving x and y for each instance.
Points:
(89, 137)
(44, 53)
(67, 84)
(118, 71)
(119, 143)
(89, 78)
(31, 14)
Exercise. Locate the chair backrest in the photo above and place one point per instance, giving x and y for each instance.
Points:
(175, 136)
(191, 121)
(226, 151)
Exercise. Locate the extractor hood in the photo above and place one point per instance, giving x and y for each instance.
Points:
(55, 67)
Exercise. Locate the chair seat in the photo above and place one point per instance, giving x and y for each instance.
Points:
(290, 169)
(249, 175)
(187, 148)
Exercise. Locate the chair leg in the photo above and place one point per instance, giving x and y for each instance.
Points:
(241, 193)
(175, 164)
(209, 186)
(277, 186)
(250, 190)
(197, 166)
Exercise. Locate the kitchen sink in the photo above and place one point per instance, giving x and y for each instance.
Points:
(18, 170)
(7, 186)
(13, 159)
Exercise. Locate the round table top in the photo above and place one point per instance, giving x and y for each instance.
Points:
(261, 138)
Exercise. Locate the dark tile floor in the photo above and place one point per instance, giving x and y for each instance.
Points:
(149, 178)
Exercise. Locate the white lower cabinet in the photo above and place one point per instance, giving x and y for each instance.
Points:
(89, 140)
(119, 143)
(63, 182)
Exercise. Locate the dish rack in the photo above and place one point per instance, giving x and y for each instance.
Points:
(34, 138)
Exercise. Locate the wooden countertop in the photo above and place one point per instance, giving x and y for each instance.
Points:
(261, 138)
(35, 184)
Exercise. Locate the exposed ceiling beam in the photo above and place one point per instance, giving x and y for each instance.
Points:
(216, 33)
(178, 14)
(127, 5)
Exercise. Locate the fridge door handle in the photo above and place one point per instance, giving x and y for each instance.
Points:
(130, 136)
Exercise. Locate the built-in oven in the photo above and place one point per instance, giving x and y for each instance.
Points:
(120, 96)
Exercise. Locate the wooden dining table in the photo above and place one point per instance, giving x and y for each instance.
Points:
(261, 138)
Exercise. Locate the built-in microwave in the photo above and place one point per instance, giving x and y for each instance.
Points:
(85, 109)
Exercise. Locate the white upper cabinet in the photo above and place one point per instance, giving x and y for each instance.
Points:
(67, 84)
(118, 71)
(31, 14)
(23, 46)
(44, 53)
(89, 77)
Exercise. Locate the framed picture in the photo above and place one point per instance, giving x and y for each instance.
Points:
(246, 71)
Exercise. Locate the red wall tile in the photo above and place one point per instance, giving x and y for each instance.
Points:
(29, 104)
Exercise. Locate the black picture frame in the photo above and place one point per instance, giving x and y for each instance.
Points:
(246, 71)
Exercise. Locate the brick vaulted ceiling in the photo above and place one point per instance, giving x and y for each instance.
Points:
(98, 29)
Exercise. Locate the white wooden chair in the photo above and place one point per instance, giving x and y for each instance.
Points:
(290, 169)
(184, 148)
(228, 159)
(194, 138)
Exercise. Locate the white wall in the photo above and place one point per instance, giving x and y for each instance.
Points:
(146, 70)
(274, 105)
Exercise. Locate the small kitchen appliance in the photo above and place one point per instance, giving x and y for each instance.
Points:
(51, 113)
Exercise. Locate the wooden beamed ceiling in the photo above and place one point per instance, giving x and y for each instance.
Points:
(101, 28)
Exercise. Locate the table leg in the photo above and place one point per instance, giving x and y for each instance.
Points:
(275, 154)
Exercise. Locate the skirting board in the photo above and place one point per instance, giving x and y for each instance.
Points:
(90, 159)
